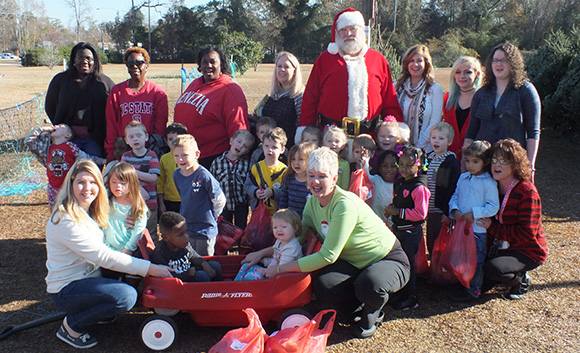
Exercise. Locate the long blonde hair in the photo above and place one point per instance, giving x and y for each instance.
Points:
(297, 85)
(454, 90)
(126, 172)
(428, 74)
(67, 203)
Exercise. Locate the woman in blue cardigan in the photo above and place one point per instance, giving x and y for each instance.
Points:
(507, 106)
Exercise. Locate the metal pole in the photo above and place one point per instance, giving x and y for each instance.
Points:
(149, 14)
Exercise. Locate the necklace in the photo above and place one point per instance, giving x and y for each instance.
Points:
(469, 90)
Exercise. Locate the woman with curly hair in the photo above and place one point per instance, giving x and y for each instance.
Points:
(515, 234)
(507, 106)
(420, 97)
(135, 99)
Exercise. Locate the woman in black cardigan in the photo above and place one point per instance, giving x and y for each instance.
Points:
(78, 98)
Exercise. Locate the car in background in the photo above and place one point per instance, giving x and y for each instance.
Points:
(8, 56)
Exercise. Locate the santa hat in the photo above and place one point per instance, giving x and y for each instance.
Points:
(348, 17)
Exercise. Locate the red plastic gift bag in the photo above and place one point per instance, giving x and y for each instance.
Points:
(228, 236)
(361, 185)
(438, 274)
(248, 339)
(460, 254)
(258, 233)
(311, 243)
(421, 261)
(309, 337)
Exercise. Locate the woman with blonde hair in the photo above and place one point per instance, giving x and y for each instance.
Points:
(285, 99)
(76, 252)
(465, 78)
(420, 97)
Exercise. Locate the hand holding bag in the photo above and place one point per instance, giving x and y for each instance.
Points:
(460, 254)
(248, 339)
(308, 338)
(361, 185)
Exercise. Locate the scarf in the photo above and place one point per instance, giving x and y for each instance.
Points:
(414, 114)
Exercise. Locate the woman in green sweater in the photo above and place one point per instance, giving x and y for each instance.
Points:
(360, 263)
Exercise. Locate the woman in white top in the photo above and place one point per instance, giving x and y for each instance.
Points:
(76, 252)
(419, 96)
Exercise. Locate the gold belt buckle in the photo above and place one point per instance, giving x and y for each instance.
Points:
(351, 127)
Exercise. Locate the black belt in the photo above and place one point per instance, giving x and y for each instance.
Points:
(366, 126)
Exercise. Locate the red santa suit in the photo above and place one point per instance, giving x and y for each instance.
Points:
(148, 105)
(358, 87)
(212, 113)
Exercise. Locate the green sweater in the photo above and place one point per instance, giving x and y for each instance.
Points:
(350, 229)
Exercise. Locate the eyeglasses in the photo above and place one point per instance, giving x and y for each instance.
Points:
(500, 161)
(81, 59)
(499, 61)
(351, 29)
(139, 63)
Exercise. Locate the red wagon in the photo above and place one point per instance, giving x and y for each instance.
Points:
(219, 303)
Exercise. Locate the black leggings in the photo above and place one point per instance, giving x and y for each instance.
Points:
(347, 287)
(506, 266)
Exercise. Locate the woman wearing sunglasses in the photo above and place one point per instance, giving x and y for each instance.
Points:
(135, 99)
(78, 97)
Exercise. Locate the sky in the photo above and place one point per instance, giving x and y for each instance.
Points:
(106, 10)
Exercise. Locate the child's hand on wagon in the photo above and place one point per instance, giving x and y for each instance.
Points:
(207, 268)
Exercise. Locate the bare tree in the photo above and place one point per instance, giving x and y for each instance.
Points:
(81, 10)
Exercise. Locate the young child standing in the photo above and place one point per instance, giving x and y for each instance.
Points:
(202, 199)
(335, 139)
(263, 124)
(125, 201)
(119, 147)
(443, 170)
(388, 138)
(167, 195)
(146, 164)
(287, 226)
(408, 213)
(231, 170)
(52, 148)
(175, 251)
(311, 134)
(294, 192)
(475, 197)
(383, 183)
(363, 148)
(265, 179)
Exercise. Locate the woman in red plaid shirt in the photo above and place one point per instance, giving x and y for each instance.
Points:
(515, 235)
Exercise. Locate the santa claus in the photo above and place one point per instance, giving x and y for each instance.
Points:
(349, 80)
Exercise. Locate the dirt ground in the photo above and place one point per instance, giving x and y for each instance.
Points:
(546, 320)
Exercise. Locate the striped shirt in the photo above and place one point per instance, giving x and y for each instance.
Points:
(147, 163)
(432, 168)
(294, 195)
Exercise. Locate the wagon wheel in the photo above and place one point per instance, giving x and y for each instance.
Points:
(158, 332)
(166, 312)
(294, 318)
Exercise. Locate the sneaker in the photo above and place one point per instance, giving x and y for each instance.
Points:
(518, 291)
(361, 332)
(83, 341)
(406, 304)
(462, 296)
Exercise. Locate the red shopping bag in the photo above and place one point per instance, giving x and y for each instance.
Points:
(361, 185)
(437, 273)
(258, 233)
(248, 339)
(309, 337)
(228, 236)
(311, 243)
(421, 262)
(460, 254)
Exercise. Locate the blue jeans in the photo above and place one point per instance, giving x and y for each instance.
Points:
(475, 284)
(202, 276)
(410, 239)
(90, 300)
(90, 147)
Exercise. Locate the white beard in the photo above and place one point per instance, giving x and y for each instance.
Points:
(350, 47)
